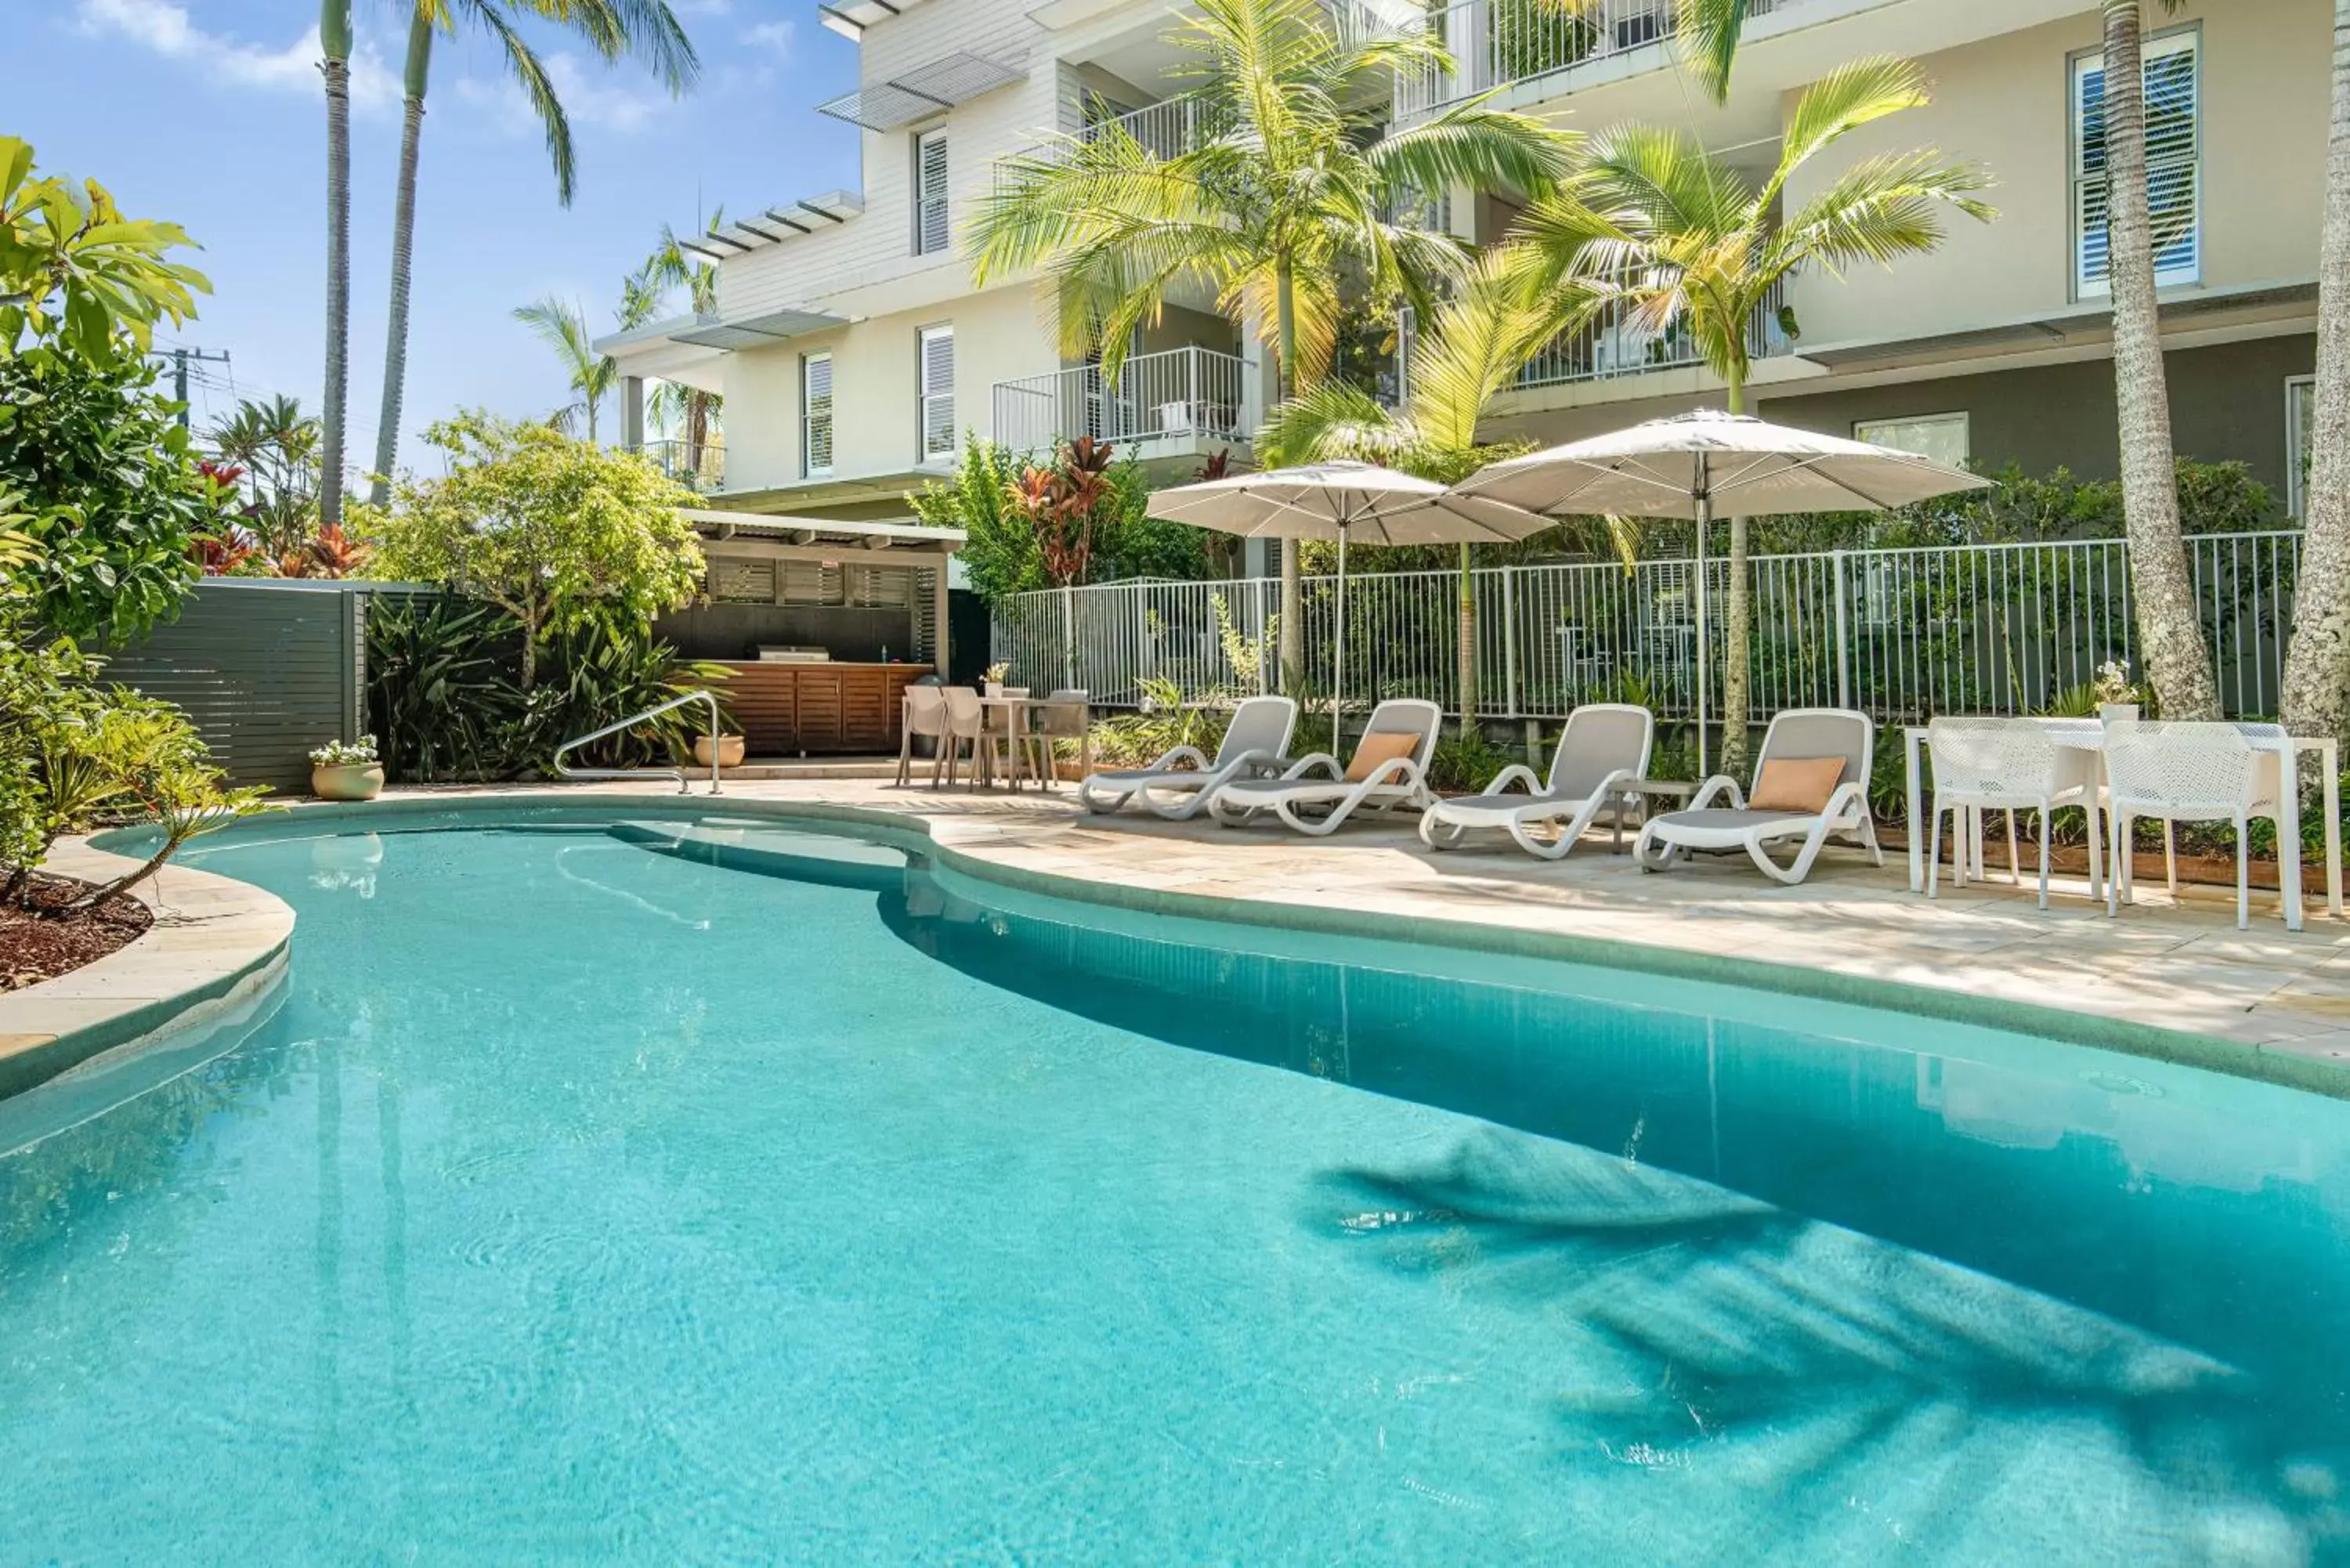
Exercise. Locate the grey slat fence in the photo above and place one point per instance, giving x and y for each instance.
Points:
(266, 670)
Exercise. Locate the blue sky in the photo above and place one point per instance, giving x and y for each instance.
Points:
(209, 112)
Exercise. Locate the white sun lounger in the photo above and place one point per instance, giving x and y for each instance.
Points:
(1604, 747)
(1179, 783)
(1396, 784)
(1796, 734)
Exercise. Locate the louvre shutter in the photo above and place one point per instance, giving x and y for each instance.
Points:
(2174, 163)
(735, 582)
(810, 583)
(937, 413)
(816, 393)
(930, 233)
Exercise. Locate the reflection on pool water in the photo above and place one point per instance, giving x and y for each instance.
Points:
(668, 1194)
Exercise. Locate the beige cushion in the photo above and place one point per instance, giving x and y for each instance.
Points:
(1796, 783)
(1376, 750)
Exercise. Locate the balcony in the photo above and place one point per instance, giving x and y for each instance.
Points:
(1166, 129)
(703, 472)
(1163, 404)
(1616, 343)
(1496, 43)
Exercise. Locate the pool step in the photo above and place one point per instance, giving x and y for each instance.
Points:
(764, 849)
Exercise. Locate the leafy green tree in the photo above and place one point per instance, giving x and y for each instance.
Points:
(1000, 553)
(73, 271)
(562, 326)
(1654, 230)
(614, 28)
(1006, 549)
(557, 533)
(1287, 187)
(113, 496)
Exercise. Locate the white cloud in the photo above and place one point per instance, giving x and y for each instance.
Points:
(775, 37)
(166, 28)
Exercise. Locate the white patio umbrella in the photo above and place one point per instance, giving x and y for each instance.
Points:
(1357, 501)
(1691, 466)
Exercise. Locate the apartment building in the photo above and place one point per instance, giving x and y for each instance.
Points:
(854, 350)
(1997, 348)
(850, 343)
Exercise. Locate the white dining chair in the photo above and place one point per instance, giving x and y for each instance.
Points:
(966, 726)
(1006, 735)
(2176, 770)
(2004, 764)
(1067, 715)
(923, 712)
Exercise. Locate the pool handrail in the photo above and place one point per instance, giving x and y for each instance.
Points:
(684, 785)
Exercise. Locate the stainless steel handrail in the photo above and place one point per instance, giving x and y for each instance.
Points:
(683, 785)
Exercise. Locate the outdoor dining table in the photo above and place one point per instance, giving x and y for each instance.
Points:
(2089, 735)
(1023, 706)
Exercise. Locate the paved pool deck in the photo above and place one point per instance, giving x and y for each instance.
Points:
(2181, 967)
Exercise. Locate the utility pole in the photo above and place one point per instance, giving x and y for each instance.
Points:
(180, 359)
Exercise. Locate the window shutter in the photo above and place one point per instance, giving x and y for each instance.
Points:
(2174, 160)
(938, 412)
(739, 582)
(930, 233)
(815, 374)
(810, 583)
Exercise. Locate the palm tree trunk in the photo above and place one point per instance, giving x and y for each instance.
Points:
(1293, 582)
(1467, 650)
(335, 41)
(1737, 631)
(2171, 632)
(403, 244)
(2316, 698)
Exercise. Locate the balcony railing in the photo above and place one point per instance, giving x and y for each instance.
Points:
(1166, 129)
(703, 471)
(1182, 394)
(1496, 42)
(1616, 343)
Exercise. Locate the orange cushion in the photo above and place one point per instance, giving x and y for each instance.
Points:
(1796, 783)
(1373, 750)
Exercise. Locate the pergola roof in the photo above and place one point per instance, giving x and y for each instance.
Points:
(921, 92)
(808, 215)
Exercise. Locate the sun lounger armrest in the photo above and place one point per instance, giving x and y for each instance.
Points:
(1322, 760)
(1257, 765)
(1189, 756)
(1849, 797)
(1516, 772)
(1713, 789)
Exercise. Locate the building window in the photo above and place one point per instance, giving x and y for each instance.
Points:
(930, 233)
(2174, 163)
(816, 416)
(1941, 438)
(938, 409)
(2299, 440)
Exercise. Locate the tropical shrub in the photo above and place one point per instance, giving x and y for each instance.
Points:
(1080, 517)
(557, 533)
(78, 275)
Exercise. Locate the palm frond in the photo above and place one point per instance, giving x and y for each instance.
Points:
(530, 74)
(1881, 208)
(1485, 149)
(1856, 93)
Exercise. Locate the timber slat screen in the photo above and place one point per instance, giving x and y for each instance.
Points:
(264, 672)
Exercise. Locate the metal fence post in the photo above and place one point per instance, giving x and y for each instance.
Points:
(1842, 631)
(1069, 638)
(1510, 690)
(1266, 642)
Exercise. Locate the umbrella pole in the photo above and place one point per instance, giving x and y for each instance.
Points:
(1338, 658)
(1704, 521)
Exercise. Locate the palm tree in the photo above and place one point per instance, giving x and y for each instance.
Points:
(2170, 629)
(1653, 231)
(2316, 700)
(1287, 187)
(562, 326)
(690, 406)
(335, 43)
(613, 27)
(1472, 352)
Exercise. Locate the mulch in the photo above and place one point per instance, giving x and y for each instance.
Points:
(38, 943)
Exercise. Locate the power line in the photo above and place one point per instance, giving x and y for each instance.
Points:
(183, 357)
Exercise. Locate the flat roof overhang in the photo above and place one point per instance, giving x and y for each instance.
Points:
(826, 533)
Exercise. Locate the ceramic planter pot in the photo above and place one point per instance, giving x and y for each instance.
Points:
(2109, 711)
(347, 780)
(730, 751)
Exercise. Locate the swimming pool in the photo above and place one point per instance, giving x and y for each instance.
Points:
(636, 1192)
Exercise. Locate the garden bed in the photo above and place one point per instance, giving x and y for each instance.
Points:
(36, 944)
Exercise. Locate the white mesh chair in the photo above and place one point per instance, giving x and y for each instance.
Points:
(1319, 784)
(1005, 735)
(1179, 785)
(2010, 765)
(2180, 771)
(1604, 747)
(1799, 734)
(923, 712)
(1068, 715)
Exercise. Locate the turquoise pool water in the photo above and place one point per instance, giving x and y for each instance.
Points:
(588, 1197)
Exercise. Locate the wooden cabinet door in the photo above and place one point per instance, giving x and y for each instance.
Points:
(823, 710)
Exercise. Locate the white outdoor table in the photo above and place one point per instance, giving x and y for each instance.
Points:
(2089, 735)
(1023, 707)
